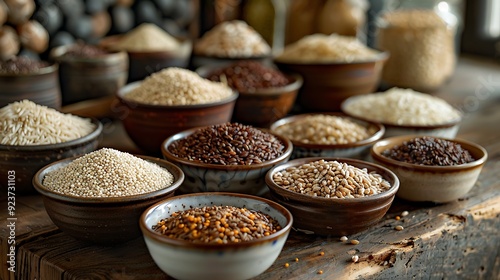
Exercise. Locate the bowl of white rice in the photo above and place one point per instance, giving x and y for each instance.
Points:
(405, 111)
(32, 136)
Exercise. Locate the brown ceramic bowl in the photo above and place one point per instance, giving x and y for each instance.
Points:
(199, 60)
(447, 130)
(145, 63)
(359, 149)
(41, 87)
(263, 106)
(334, 216)
(105, 221)
(203, 177)
(438, 184)
(326, 85)
(89, 78)
(149, 125)
(25, 161)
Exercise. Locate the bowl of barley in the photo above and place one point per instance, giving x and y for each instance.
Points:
(215, 235)
(333, 67)
(333, 196)
(170, 101)
(98, 197)
(33, 135)
(328, 134)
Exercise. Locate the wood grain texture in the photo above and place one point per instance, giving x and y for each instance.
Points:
(457, 240)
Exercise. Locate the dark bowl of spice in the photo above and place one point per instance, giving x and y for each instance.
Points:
(215, 235)
(32, 136)
(25, 78)
(89, 72)
(228, 157)
(333, 196)
(265, 93)
(431, 169)
(99, 197)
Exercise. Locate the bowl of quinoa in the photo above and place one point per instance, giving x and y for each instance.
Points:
(170, 101)
(215, 235)
(98, 197)
(33, 135)
(430, 168)
(328, 134)
(333, 196)
(405, 112)
(229, 157)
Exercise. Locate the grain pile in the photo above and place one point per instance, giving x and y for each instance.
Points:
(402, 107)
(108, 173)
(26, 123)
(325, 130)
(147, 37)
(232, 39)
(321, 48)
(331, 179)
(177, 86)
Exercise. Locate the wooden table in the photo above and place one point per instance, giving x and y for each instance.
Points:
(458, 240)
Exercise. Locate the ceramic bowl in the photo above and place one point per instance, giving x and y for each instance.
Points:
(25, 161)
(145, 63)
(185, 260)
(263, 106)
(203, 177)
(359, 149)
(199, 60)
(149, 125)
(437, 184)
(333, 216)
(446, 130)
(83, 78)
(326, 85)
(41, 87)
(105, 220)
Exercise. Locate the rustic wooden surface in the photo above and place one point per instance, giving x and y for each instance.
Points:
(458, 240)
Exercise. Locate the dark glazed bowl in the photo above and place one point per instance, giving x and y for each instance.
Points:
(149, 125)
(359, 149)
(41, 87)
(185, 260)
(326, 85)
(334, 216)
(203, 177)
(438, 184)
(25, 161)
(105, 221)
(89, 78)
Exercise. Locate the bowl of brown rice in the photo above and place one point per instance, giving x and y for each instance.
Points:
(334, 68)
(32, 136)
(333, 196)
(98, 197)
(170, 101)
(328, 134)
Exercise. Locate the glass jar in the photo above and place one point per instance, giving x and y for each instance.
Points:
(421, 43)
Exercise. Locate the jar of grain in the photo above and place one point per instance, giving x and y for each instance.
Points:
(422, 48)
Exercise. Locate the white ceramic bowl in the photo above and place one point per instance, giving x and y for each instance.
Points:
(439, 184)
(203, 177)
(186, 260)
